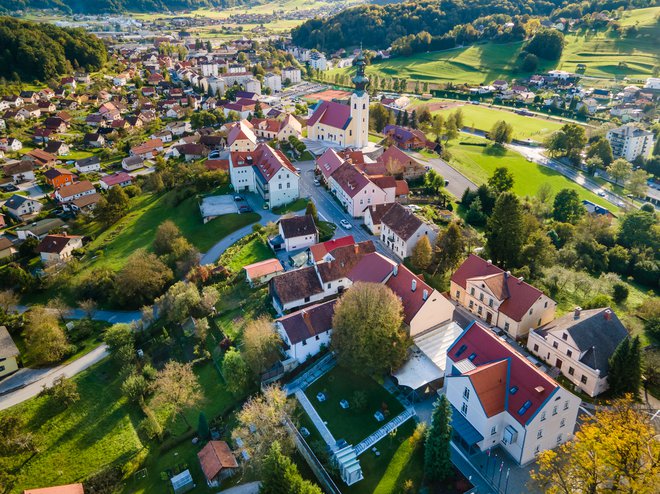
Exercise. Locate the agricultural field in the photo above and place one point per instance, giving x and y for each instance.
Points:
(483, 63)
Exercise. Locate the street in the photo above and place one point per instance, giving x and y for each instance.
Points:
(457, 182)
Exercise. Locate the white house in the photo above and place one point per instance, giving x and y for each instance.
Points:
(629, 142)
(87, 165)
(499, 398)
(74, 191)
(354, 190)
(306, 331)
(57, 248)
(292, 74)
(401, 229)
(20, 207)
(298, 232)
(273, 82)
(241, 137)
(262, 272)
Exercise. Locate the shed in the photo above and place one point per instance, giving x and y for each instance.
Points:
(182, 482)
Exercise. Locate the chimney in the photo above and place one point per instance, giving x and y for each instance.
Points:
(356, 248)
(520, 280)
(395, 270)
(578, 311)
(413, 285)
(489, 261)
(425, 294)
(607, 315)
(539, 389)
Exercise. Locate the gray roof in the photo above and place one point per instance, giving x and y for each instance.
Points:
(7, 346)
(42, 227)
(16, 201)
(594, 334)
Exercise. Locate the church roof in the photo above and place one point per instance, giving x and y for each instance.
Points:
(332, 114)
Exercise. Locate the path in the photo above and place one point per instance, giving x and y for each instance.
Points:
(249, 488)
(316, 419)
(109, 316)
(68, 370)
(457, 182)
(384, 431)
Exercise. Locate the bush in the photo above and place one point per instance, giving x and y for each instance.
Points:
(620, 292)
(599, 301)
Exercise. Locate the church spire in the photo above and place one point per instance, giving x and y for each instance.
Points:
(360, 80)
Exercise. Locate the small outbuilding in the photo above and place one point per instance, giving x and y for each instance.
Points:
(217, 462)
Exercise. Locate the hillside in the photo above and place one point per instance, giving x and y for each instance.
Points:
(32, 51)
(103, 6)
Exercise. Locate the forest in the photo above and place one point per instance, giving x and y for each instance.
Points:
(113, 6)
(41, 52)
(379, 26)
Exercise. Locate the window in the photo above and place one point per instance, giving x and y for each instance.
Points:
(566, 405)
(538, 323)
(306, 299)
(559, 439)
(280, 186)
(493, 430)
(460, 351)
(564, 336)
(537, 450)
(536, 347)
(304, 342)
(458, 293)
(539, 434)
(480, 310)
(490, 303)
(481, 297)
(317, 338)
(472, 356)
(329, 285)
(530, 311)
(584, 379)
(546, 304)
(466, 393)
(506, 327)
(464, 408)
(569, 353)
(472, 291)
(562, 423)
(513, 390)
(542, 416)
(554, 410)
(471, 304)
(555, 344)
(524, 407)
(571, 371)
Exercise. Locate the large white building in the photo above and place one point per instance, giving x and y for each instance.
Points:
(344, 125)
(292, 74)
(499, 398)
(629, 142)
(266, 171)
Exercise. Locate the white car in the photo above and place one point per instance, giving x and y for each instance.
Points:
(346, 224)
(601, 193)
(317, 183)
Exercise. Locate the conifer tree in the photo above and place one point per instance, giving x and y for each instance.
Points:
(437, 452)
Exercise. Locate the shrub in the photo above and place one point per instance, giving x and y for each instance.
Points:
(619, 292)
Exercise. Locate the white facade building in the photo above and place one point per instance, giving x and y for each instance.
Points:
(629, 142)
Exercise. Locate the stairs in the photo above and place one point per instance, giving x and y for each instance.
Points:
(384, 431)
(312, 374)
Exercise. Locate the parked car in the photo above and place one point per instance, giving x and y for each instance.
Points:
(245, 209)
(238, 198)
(346, 224)
(9, 188)
(265, 206)
(317, 183)
(601, 193)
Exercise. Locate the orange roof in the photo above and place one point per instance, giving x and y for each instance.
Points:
(489, 381)
(263, 268)
(60, 489)
(215, 456)
(320, 250)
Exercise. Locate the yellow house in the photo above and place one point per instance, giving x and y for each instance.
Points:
(8, 353)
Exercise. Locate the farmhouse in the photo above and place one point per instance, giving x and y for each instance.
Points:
(21, 207)
(56, 248)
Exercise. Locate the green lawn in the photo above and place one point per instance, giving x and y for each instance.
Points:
(478, 163)
(352, 424)
(292, 207)
(254, 251)
(483, 63)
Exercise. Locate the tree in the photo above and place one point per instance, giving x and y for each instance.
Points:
(451, 131)
(258, 112)
(449, 248)
(235, 371)
(203, 427)
(501, 180)
(620, 292)
(142, 279)
(179, 302)
(501, 132)
(601, 149)
(281, 476)
(538, 253)
(619, 170)
(112, 207)
(637, 183)
(505, 231)
(422, 253)
(311, 209)
(166, 233)
(530, 63)
(617, 450)
(379, 117)
(262, 422)
(625, 368)
(260, 344)
(177, 388)
(567, 207)
(437, 449)
(433, 182)
(567, 141)
(437, 124)
(120, 339)
(134, 387)
(62, 393)
(367, 331)
(45, 337)
(639, 228)
(547, 44)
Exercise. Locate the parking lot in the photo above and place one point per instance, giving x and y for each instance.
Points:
(214, 206)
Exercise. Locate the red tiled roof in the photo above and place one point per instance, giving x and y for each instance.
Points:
(402, 188)
(372, 268)
(215, 456)
(76, 188)
(531, 383)
(265, 159)
(328, 162)
(384, 182)
(518, 296)
(218, 164)
(60, 489)
(320, 250)
(489, 381)
(331, 114)
(243, 131)
(263, 268)
(116, 178)
(402, 285)
(350, 179)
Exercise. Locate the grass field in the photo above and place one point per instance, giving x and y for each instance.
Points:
(478, 163)
(483, 63)
(256, 250)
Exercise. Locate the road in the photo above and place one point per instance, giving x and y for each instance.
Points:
(457, 182)
(68, 370)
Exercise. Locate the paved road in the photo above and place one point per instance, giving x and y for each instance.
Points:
(457, 181)
(68, 370)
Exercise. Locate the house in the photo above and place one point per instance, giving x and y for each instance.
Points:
(241, 138)
(122, 179)
(500, 85)
(89, 165)
(500, 399)
(39, 229)
(327, 164)
(261, 272)
(321, 250)
(401, 229)
(178, 128)
(298, 232)
(192, 152)
(56, 124)
(266, 171)
(60, 489)
(499, 298)
(94, 140)
(74, 191)
(131, 163)
(8, 353)
(83, 204)
(580, 345)
(354, 190)
(295, 289)
(405, 138)
(281, 130)
(59, 177)
(19, 171)
(217, 462)
(148, 150)
(629, 142)
(10, 144)
(291, 75)
(305, 332)
(21, 207)
(399, 164)
(165, 136)
(373, 217)
(40, 158)
(56, 248)
(7, 248)
(273, 82)
(57, 148)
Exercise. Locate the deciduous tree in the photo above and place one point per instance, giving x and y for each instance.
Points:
(619, 170)
(142, 279)
(422, 253)
(501, 132)
(501, 180)
(637, 183)
(235, 371)
(260, 344)
(45, 338)
(177, 388)
(567, 207)
(449, 248)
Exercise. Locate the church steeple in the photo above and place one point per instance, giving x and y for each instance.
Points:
(360, 80)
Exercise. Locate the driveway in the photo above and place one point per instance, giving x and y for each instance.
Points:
(249, 488)
(457, 181)
(34, 388)
(109, 316)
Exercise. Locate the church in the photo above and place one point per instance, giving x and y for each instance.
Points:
(345, 125)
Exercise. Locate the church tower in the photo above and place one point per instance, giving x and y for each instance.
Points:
(360, 106)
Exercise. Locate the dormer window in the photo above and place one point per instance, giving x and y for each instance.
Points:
(460, 351)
